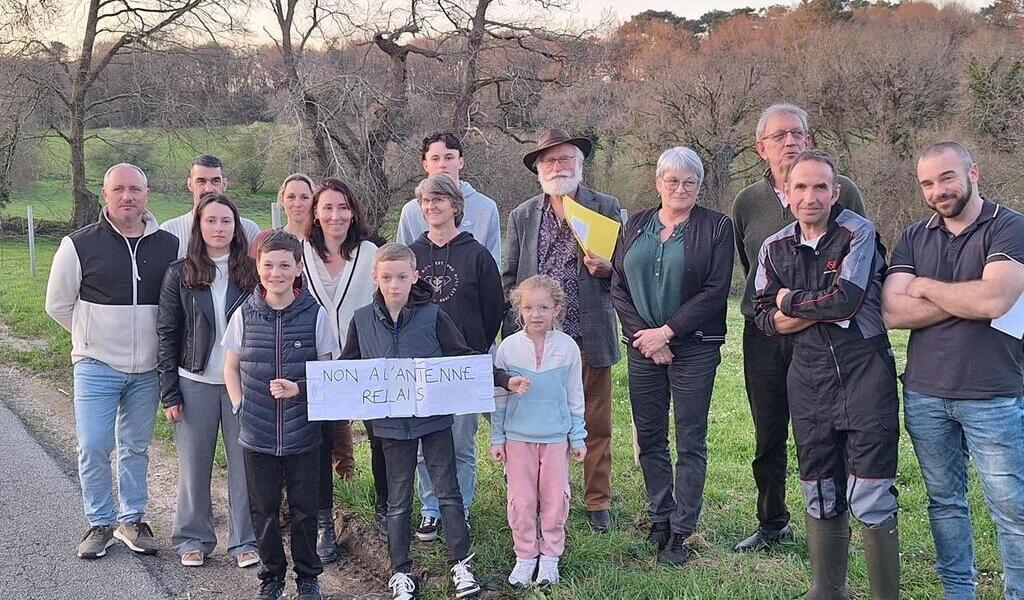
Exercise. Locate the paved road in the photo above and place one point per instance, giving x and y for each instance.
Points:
(40, 522)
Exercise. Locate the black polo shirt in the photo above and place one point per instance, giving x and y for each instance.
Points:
(961, 358)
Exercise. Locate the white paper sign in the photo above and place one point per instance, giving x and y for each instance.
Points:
(1012, 323)
(399, 387)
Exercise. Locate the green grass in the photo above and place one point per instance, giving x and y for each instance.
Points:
(618, 565)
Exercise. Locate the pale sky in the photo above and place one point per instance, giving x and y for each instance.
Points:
(691, 9)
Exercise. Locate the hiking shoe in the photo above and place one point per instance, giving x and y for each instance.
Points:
(427, 531)
(675, 553)
(271, 589)
(95, 541)
(247, 559)
(138, 536)
(659, 535)
(462, 577)
(193, 558)
(402, 587)
(309, 589)
(547, 571)
(764, 539)
(522, 574)
(600, 520)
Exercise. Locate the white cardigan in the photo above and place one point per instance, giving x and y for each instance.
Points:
(355, 288)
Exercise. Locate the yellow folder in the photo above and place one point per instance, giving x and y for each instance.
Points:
(595, 232)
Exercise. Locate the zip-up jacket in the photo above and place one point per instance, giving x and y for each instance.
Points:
(708, 246)
(551, 411)
(105, 290)
(187, 329)
(423, 330)
(837, 284)
(276, 345)
(354, 290)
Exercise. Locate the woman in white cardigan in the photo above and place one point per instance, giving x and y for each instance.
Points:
(338, 266)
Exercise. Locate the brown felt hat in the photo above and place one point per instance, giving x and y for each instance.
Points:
(549, 138)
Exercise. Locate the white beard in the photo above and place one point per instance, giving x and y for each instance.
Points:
(562, 185)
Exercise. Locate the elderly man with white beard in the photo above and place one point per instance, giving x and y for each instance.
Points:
(539, 241)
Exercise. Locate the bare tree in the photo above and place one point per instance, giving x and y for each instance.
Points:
(110, 30)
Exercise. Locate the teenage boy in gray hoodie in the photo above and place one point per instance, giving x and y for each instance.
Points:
(442, 153)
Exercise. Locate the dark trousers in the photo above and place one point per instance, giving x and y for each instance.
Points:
(265, 476)
(766, 361)
(325, 493)
(686, 385)
(378, 467)
(439, 456)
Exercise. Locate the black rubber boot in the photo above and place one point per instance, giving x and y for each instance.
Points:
(882, 554)
(828, 544)
(326, 541)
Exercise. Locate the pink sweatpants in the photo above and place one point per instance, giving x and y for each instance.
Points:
(537, 474)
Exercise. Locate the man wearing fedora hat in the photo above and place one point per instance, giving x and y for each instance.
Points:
(538, 240)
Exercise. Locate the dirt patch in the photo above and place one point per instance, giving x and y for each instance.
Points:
(9, 340)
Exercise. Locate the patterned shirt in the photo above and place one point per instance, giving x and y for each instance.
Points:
(558, 257)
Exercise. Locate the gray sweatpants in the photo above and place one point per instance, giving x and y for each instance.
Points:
(207, 409)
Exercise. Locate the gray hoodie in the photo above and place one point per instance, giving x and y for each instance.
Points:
(480, 219)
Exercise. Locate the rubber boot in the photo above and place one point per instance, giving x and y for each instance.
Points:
(342, 453)
(828, 544)
(882, 554)
(326, 541)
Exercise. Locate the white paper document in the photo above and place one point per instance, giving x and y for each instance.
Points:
(399, 387)
(1012, 323)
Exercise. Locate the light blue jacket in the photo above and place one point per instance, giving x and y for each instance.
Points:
(552, 410)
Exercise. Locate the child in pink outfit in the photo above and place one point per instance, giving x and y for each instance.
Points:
(535, 431)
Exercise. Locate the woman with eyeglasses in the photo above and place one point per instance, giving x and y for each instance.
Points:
(671, 275)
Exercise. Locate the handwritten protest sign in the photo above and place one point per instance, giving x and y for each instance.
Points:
(399, 387)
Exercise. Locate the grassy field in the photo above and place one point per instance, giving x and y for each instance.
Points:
(618, 565)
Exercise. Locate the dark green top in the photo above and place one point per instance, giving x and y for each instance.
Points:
(654, 272)
(757, 213)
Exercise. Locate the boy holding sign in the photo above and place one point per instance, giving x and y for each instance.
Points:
(403, 323)
(268, 342)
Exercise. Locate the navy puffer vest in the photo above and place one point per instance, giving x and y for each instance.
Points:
(277, 344)
(414, 336)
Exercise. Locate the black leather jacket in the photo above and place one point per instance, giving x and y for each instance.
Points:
(187, 329)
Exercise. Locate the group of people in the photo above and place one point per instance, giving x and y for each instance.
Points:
(217, 320)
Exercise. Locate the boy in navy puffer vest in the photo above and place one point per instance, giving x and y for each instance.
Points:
(268, 342)
(403, 323)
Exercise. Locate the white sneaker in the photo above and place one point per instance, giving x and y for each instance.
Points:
(522, 574)
(547, 571)
(402, 587)
(465, 583)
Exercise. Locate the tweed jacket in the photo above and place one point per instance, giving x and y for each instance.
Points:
(600, 345)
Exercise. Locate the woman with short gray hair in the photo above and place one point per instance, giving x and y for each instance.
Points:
(670, 282)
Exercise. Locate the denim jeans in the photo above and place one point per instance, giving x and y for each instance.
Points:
(464, 436)
(946, 434)
(439, 453)
(113, 408)
(685, 387)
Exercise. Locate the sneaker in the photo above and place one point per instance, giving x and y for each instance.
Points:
(402, 587)
(95, 542)
(675, 553)
(547, 571)
(462, 577)
(138, 536)
(522, 574)
(248, 559)
(309, 589)
(271, 589)
(427, 531)
(193, 558)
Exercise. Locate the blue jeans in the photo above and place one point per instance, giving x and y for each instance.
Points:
(113, 408)
(947, 433)
(464, 437)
